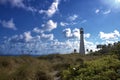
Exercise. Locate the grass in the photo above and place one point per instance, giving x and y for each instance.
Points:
(49, 67)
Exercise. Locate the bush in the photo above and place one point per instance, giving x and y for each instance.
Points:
(105, 68)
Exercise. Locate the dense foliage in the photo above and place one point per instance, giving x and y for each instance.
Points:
(105, 68)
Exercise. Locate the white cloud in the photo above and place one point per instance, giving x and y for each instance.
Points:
(47, 36)
(67, 32)
(50, 25)
(37, 30)
(107, 12)
(97, 11)
(67, 23)
(30, 8)
(45, 43)
(69, 45)
(111, 36)
(64, 24)
(75, 33)
(109, 41)
(90, 45)
(52, 9)
(27, 36)
(87, 35)
(54, 46)
(64, 47)
(73, 17)
(8, 24)
(28, 44)
(102, 11)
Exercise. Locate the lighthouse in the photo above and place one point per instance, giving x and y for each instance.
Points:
(82, 48)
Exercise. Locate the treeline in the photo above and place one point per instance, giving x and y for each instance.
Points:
(107, 49)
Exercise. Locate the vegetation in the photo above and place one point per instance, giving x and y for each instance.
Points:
(105, 68)
(102, 65)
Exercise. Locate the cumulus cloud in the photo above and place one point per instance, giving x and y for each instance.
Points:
(87, 35)
(71, 44)
(75, 33)
(50, 25)
(67, 32)
(106, 36)
(64, 47)
(52, 9)
(73, 17)
(37, 30)
(47, 36)
(44, 43)
(30, 8)
(27, 36)
(22, 38)
(54, 46)
(28, 44)
(8, 24)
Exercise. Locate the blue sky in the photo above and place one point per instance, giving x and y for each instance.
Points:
(52, 26)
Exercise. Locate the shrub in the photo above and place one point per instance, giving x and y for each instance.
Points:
(105, 68)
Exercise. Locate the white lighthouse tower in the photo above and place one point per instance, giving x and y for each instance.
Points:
(82, 48)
